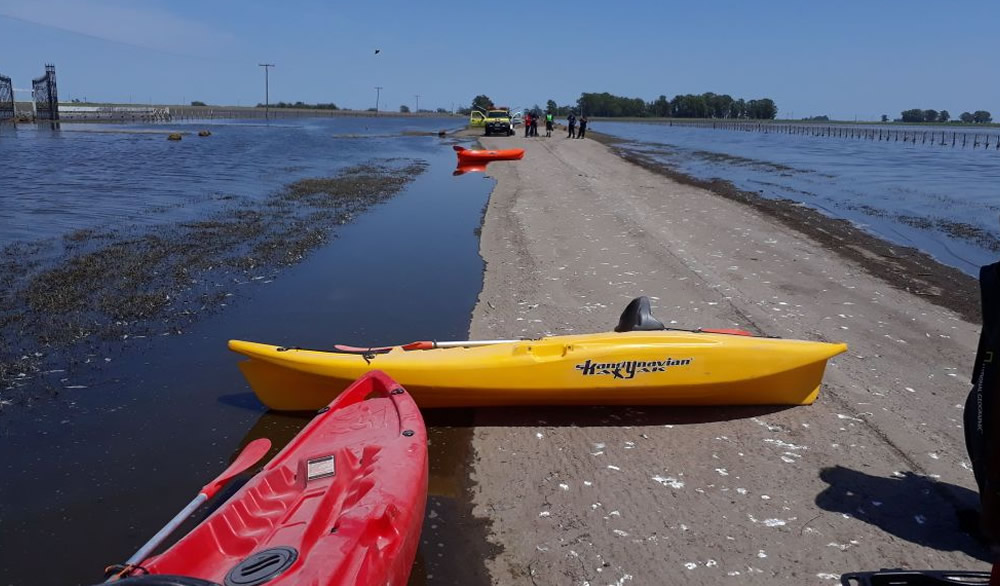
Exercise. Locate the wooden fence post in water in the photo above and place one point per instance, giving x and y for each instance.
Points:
(884, 134)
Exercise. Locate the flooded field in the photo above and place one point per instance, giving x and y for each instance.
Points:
(941, 200)
(104, 434)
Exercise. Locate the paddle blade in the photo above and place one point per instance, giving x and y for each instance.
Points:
(250, 455)
(422, 345)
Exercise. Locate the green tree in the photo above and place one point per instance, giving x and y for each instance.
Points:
(482, 102)
(689, 106)
(661, 107)
(966, 117)
(738, 109)
(982, 117)
(404, 108)
(718, 106)
(551, 107)
(912, 115)
(198, 103)
(442, 111)
(944, 116)
(707, 105)
(763, 109)
(885, 117)
(930, 115)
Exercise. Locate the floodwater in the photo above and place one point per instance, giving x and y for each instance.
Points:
(88, 475)
(89, 175)
(940, 199)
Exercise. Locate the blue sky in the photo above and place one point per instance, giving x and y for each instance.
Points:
(843, 59)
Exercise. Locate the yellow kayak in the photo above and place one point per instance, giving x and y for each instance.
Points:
(628, 368)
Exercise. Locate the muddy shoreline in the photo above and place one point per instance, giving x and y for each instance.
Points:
(902, 267)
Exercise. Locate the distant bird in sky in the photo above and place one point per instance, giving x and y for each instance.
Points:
(377, 51)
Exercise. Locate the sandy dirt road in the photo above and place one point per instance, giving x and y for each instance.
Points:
(871, 476)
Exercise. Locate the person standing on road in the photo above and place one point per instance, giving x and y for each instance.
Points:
(534, 124)
(571, 123)
(548, 125)
(583, 126)
(527, 124)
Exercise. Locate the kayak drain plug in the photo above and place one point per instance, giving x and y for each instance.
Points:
(396, 392)
(408, 432)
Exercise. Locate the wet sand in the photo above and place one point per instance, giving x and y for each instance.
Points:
(873, 475)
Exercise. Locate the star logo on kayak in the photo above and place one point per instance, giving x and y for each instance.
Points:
(628, 369)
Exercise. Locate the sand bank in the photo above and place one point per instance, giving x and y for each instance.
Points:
(870, 476)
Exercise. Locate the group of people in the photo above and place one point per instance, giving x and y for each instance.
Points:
(531, 125)
(571, 123)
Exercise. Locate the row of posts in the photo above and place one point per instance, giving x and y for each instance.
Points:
(933, 137)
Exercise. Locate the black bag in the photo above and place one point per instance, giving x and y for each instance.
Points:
(982, 408)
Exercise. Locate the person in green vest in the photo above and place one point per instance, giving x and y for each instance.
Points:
(548, 125)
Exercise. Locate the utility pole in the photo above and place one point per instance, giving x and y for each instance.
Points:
(267, 90)
(378, 93)
(417, 96)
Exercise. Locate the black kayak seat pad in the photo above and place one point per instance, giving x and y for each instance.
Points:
(638, 317)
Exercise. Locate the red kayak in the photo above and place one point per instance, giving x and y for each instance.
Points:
(471, 157)
(343, 503)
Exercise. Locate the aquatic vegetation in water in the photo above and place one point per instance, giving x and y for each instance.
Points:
(95, 288)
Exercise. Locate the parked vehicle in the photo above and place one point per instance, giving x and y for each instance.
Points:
(498, 122)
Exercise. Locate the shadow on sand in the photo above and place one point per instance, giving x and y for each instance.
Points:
(587, 416)
(916, 508)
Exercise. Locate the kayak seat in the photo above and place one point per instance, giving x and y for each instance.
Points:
(638, 317)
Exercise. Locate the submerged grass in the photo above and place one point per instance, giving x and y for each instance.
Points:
(102, 287)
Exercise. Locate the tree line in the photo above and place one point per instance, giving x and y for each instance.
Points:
(707, 105)
(303, 105)
(918, 115)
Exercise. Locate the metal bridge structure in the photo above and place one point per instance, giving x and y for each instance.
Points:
(6, 99)
(46, 95)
